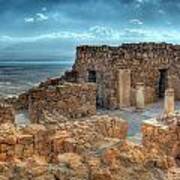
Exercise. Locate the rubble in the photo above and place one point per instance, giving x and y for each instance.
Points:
(67, 140)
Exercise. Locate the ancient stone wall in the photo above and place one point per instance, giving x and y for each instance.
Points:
(91, 149)
(162, 137)
(70, 100)
(7, 114)
(144, 60)
(77, 136)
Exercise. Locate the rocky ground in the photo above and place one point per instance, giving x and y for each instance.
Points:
(93, 148)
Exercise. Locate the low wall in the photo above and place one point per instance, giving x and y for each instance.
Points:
(160, 137)
(7, 114)
(70, 100)
(76, 136)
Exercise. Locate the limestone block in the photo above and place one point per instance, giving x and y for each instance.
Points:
(140, 96)
(124, 87)
(169, 102)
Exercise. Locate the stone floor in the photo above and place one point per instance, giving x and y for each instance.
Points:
(135, 118)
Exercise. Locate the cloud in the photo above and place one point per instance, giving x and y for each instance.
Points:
(144, 1)
(66, 41)
(38, 17)
(140, 1)
(100, 34)
(50, 36)
(29, 20)
(136, 21)
(41, 17)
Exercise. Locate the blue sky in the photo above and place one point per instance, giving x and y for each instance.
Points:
(51, 29)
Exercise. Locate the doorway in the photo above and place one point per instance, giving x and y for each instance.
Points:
(162, 82)
(92, 76)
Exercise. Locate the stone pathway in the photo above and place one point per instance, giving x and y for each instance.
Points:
(135, 118)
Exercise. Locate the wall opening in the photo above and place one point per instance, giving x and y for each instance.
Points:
(162, 82)
(177, 160)
(100, 90)
(92, 76)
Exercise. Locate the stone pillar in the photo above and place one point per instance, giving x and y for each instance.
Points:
(140, 96)
(124, 87)
(169, 105)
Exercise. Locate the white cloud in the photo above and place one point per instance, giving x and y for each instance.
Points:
(136, 21)
(41, 37)
(38, 17)
(143, 1)
(29, 20)
(41, 17)
(140, 1)
(97, 34)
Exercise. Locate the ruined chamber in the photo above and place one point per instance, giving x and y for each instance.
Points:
(118, 71)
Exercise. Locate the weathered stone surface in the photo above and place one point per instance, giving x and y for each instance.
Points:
(78, 136)
(91, 148)
(162, 137)
(125, 161)
(169, 104)
(65, 144)
(7, 114)
(144, 60)
(69, 100)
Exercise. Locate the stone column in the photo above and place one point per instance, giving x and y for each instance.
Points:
(140, 96)
(169, 105)
(124, 87)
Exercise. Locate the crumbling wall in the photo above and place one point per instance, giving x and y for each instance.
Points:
(92, 149)
(7, 114)
(144, 60)
(77, 136)
(70, 100)
(161, 137)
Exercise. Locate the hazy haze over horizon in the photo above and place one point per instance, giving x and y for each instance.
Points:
(51, 29)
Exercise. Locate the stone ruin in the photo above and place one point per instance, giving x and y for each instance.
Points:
(7, 113)
(69, 100)
(120, 72)
(67, 140)
(92, 148)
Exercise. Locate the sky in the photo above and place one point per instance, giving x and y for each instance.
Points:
(51, 29)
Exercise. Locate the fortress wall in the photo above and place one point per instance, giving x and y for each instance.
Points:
(144, 60)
